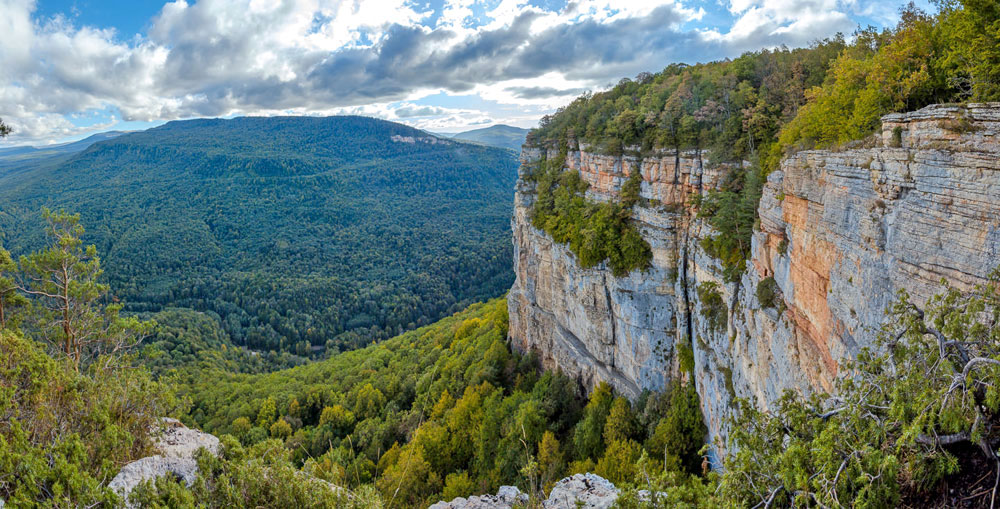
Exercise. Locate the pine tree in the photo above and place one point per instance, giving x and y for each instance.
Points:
(63, 279)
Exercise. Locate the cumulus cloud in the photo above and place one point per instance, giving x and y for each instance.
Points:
(227, 57)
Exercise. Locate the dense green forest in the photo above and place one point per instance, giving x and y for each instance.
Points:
(298, 233)
(446, 411)
(752, 110)
(442, 411)
(449, 410)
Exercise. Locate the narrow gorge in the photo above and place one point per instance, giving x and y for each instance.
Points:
(840, 233)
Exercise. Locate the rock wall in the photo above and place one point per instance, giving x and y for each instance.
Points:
(840, 232)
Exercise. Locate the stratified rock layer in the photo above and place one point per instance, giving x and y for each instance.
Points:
(841, 232)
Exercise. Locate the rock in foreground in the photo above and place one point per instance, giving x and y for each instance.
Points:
(177, 446)
(592, 491)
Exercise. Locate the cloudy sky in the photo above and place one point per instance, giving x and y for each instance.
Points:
(69, 68)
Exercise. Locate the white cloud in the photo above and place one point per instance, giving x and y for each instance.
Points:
(229, 57)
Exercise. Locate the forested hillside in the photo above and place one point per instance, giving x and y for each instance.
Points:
(444, 411)
(503, 136)
(298, 233)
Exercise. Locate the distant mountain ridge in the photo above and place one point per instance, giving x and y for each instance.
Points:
(19, 153)
(296, 231)
(500, 135)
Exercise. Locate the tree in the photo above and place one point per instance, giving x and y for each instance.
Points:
(64, 280)
(5, 129)
(679, 435)
(621, 423)
(9, 297)
(550, 459)
(588, 435)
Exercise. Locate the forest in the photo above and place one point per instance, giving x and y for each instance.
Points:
(450, 410)
(303, 235)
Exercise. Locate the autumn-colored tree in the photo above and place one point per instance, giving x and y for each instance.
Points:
(550, 460)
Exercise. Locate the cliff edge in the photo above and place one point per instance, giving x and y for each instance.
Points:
(841, 233)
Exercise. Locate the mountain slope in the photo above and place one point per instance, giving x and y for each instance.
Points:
(16, 155)
(295, 231)
(503, 136)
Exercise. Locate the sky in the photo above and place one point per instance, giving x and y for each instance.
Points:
(71, 68)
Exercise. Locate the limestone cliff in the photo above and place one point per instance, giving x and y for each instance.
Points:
(841, 231)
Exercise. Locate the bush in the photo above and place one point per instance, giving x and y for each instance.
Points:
(64, 434)
(918, 406)
(713, 307)
(768, 293)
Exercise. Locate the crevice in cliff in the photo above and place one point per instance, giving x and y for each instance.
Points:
(685, 289)
(611, 317)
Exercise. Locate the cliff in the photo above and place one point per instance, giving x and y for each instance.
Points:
(841, 232)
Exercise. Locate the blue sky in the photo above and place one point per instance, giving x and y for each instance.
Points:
(82, 66)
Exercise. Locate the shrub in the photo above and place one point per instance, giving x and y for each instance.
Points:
(595, 232)
(64, 434)
(897, 137)
(713, 307)
(768, 293)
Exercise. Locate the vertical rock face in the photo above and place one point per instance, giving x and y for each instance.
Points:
(841, 232)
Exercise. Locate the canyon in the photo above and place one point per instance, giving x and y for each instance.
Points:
(841, 233)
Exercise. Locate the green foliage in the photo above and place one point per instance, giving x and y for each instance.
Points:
(262, 475)
(732, 212)
(713, 307)
(11, 301)
(679, 435)
(458, 485)
(898, 424)
(446, 409)
(948, 57)
(768, 293)
(732, 109)
(62, 280)
(303, 235)
(588, 437)
(64, 434)
(686, 358)
(596, 232)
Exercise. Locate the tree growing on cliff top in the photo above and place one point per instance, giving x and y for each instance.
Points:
(919, 406)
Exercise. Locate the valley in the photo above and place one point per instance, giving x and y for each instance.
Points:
(765, 280)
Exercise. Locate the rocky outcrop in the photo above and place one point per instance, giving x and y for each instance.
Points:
(177, 446)
(506, 498)
(586, 491)
(841, 232)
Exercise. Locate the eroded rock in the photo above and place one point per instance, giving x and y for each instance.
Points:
(586, 491)
(841, 232)
(177, 445)
(506, 498)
